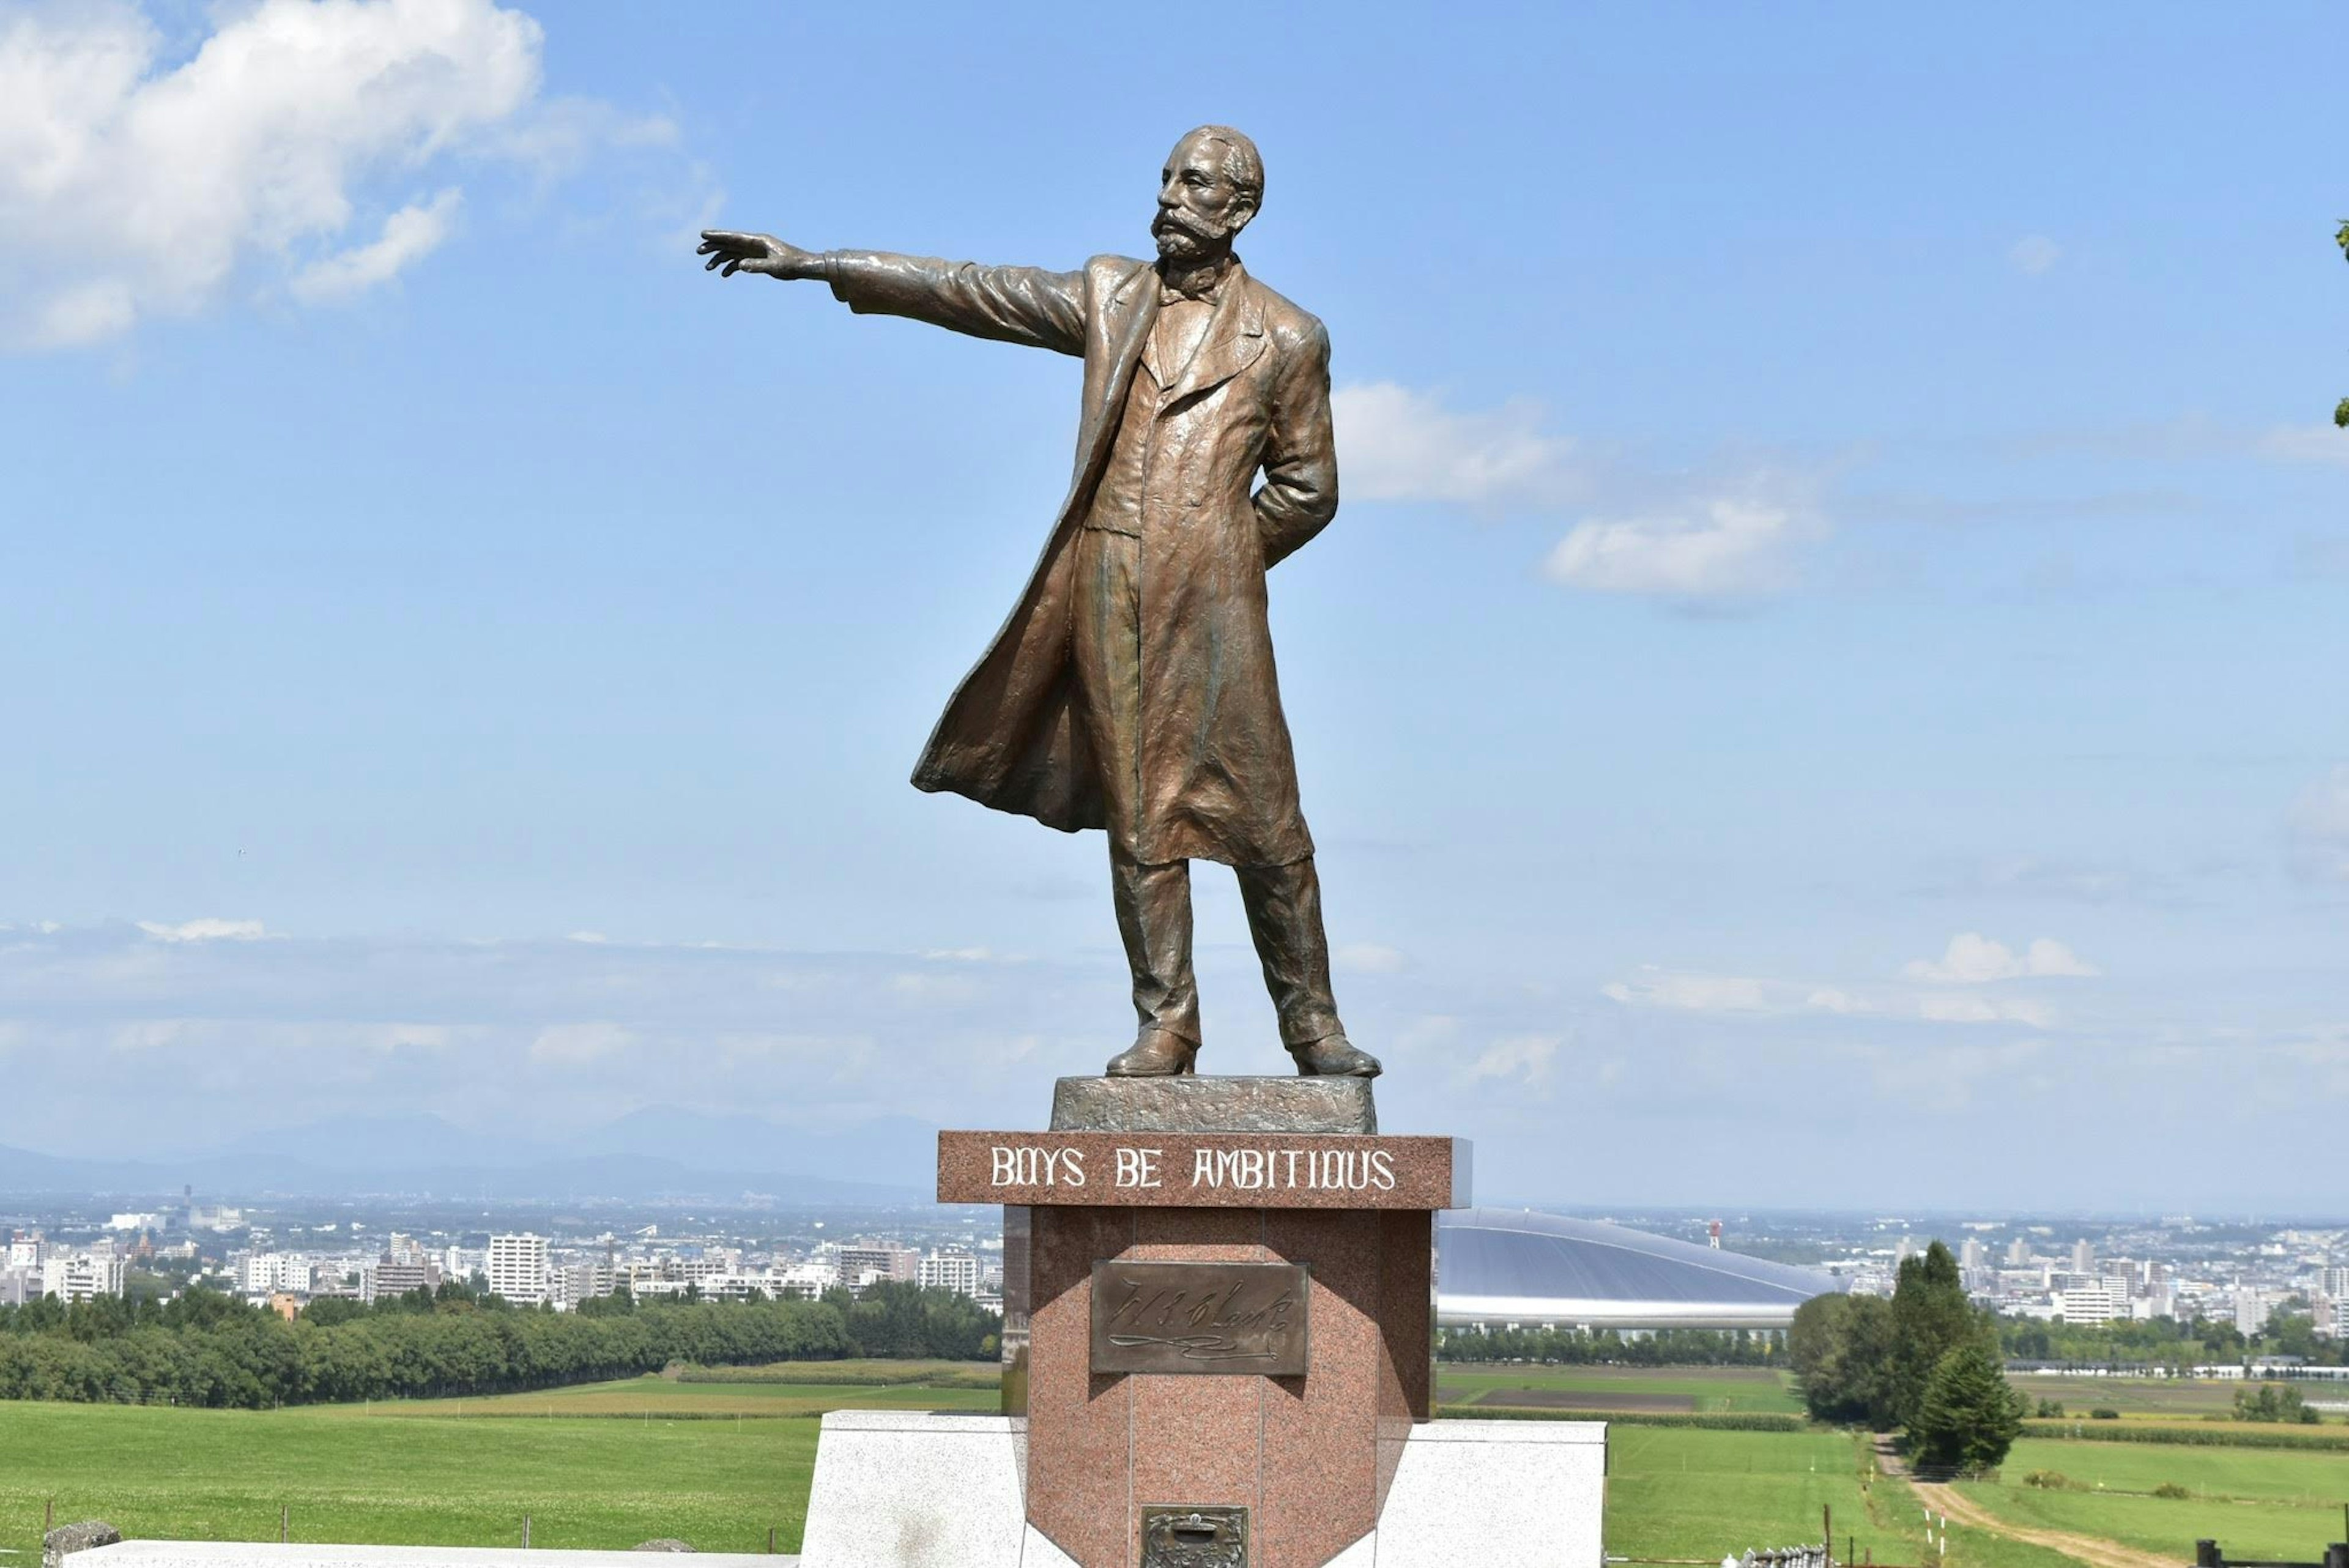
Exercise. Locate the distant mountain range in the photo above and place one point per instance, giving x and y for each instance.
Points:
(661, 1151)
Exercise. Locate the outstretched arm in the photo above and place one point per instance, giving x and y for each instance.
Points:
(1011, 304)
(1300, 460)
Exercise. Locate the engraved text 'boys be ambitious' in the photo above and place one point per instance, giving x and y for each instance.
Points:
(1238, 1169)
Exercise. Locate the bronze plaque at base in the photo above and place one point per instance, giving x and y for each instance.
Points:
(1200, 1317)
(1173, 1536)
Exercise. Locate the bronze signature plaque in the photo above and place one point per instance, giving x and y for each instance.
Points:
(1200, 1317)
(1204, 1537)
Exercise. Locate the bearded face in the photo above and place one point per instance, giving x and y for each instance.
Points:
(1200, 209)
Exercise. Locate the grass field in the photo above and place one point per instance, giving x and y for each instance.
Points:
(2150, 1398)
(441, 1480)
(1699, 1389)
(611, 1464)
(2256, 1503)
(652, 1398)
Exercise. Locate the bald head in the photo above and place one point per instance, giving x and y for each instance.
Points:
(1212, 185)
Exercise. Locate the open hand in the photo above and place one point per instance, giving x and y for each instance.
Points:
(730, 251)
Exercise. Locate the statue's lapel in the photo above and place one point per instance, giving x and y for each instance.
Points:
(1128, 317)
(1235, 338)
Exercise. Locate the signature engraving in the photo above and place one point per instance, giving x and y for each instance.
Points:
(1226, 1325)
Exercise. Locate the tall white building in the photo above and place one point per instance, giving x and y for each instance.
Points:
(951, 1269)
(24, 1252)
(517, 1268)
(2091, 1301)
(78, 1276)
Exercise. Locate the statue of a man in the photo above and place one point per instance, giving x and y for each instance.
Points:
(1133, 688)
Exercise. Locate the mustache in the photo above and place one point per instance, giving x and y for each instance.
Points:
(1168, 220)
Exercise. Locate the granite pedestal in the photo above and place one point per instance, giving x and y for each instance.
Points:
(1117, 1467)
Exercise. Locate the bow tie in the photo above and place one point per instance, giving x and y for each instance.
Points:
(1205, 290)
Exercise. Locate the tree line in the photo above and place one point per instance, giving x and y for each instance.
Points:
(2173, 1342)
(205, 1348)
(1926, 1361)
(1584, 1347)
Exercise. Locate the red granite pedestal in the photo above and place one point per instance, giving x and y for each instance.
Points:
(1309, 1457)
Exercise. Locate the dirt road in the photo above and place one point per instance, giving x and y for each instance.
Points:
(2094, 1550)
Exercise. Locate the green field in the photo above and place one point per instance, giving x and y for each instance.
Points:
(597, 1464)
(718, 1463)
(2256, 1503)
(1667, 1390)
(2150, 1398)
(652, 1398)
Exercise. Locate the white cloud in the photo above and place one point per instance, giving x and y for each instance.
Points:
(1522, 1058)
(207, 930)
(136, 181)
(1736, 544)
(2033, 255)
(1397, 444)
(2318, 826)
(1985, 1010)
(1973, 959)
(573, 1045)
(1367, 958)
(1651, 986)
(409, 234)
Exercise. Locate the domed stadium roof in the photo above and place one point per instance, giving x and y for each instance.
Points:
(1495, 1266)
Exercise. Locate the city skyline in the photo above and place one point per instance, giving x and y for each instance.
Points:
(1814, 656)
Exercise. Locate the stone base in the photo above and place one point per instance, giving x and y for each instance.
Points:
(1311, 1457)
(909, 1490)
(1190, 1104)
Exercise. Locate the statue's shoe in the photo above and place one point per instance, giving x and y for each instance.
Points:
(1334, 1056)
(1155, 1053)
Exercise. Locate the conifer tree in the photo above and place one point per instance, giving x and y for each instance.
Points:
(1968, 1416)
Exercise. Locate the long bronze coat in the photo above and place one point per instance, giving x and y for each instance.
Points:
(1217, 780)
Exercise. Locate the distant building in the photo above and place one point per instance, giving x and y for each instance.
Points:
(80, 1276)
(396, 1275)
(2333, 1282)
(862, 1262)
(24, 1252)
(2084, 1257)
(2018, 1254)
(2090, 1300)
(517, 1268)
(950, 1269)
(575, 1282)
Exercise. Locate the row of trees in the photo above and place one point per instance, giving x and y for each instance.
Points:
(1926, 1361)
(2168, 1342)
(1578, 1347)
(208, 1349)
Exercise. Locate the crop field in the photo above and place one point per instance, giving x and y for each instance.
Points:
(2147, 1398)
(1664, 1390)
(2256, 1503)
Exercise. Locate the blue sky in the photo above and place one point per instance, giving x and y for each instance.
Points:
(1832, 642)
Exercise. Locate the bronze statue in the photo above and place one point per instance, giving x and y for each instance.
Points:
(1133, 688)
